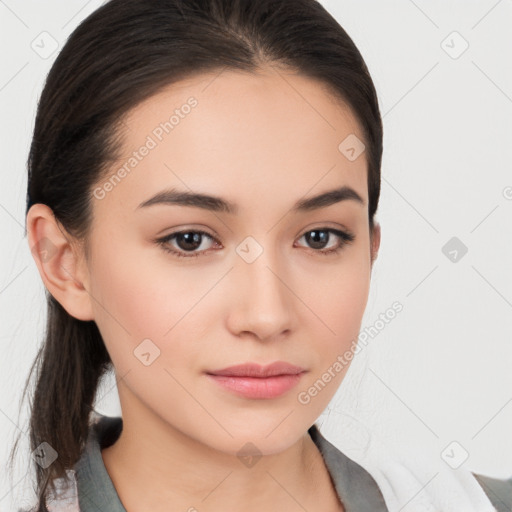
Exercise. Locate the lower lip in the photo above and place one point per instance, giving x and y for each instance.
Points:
(255, 387)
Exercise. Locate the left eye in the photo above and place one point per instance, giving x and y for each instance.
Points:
(190, 241)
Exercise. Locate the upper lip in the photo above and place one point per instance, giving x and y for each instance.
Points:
(256, 370)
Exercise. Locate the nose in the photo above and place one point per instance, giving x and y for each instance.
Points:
(263, 300)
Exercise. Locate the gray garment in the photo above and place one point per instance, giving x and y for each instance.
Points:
(498, 491)
(357, 489)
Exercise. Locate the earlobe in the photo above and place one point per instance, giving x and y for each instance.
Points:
(58, 262)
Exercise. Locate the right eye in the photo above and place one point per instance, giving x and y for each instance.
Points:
(189, 240)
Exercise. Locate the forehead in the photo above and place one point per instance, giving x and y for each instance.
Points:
(237, 134)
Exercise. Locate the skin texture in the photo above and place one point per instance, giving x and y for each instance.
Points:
(262, 141)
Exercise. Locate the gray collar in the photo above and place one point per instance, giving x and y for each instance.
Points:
(357, 489)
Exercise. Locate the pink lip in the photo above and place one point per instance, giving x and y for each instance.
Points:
(255, 381)
(256, 370)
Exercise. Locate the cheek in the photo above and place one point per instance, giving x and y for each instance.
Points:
(338, 299)
(338, 303)
(138, 298)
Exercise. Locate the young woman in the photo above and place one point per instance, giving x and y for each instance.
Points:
(203, 182)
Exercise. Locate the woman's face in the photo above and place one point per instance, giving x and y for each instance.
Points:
(259, 285)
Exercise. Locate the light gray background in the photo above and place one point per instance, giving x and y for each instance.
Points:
(441, 370)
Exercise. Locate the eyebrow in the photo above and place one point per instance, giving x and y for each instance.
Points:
(218, 204)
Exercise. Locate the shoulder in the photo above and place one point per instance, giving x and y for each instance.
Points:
(66, 499)
(343, 470)
(498, 491)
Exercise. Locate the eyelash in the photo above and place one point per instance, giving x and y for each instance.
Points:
(345, 239)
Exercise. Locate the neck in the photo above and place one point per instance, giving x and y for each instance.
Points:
(153, 464)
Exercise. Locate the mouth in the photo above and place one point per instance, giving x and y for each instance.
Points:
(258, 382)
(256, 370)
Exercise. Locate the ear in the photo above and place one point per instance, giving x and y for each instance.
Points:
(375, 242)
(59, 260)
